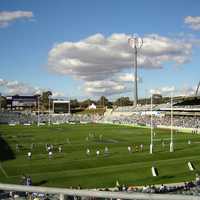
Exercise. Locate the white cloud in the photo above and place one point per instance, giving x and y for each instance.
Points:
(128, 77)
(20, 88)
(15, 87)
(2, 82)
(56, 94)
(7, 17)
(187, 91)
(167, 90)
(193, 22)
(98, 57)
(172, 90)
(105, 87)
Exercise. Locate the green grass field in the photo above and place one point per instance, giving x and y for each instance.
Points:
(73, 167)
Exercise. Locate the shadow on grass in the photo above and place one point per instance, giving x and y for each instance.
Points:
(40, 183)
(167, 177)
(6, 152)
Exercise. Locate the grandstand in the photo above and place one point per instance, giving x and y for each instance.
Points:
(19, 103)
(183, 115)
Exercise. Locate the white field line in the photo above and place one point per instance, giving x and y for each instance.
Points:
(3, 171)
(165, 139)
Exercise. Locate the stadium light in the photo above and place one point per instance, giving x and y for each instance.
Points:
(69, 107)
(38, 117)
(49, 110)
(0, 101)
(151, 145)
(135, 43)
(171, 147)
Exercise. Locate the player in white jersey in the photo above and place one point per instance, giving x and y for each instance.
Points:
(88, 152)
(29, 155)
(98, 152)
(50, 155)
(106, 151)
(60, 149)
(129, 149)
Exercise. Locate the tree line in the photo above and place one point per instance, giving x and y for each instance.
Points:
(102, 102)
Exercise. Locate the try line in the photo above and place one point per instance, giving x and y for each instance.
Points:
(3, 171)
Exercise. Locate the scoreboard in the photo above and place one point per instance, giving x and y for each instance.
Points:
(61, 106)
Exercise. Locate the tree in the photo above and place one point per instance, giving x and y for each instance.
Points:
(45, 99)
(3, 102)
(102, 102)
(74, 103)
(86, 103)
(157, 98)
(123, 101)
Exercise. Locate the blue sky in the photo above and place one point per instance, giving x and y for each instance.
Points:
(27, 40)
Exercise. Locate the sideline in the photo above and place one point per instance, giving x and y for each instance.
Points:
(3, 171)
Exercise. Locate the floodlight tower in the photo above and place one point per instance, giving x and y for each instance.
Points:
(0, 101)
(171, 147)
(49, 110)
(38, 116)
(196, 93)
(151, 145)
(135, 43)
